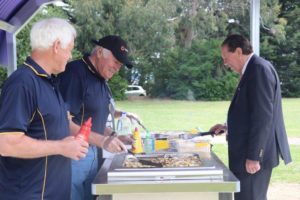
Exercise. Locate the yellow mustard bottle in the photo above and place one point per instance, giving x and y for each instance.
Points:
(137, 145)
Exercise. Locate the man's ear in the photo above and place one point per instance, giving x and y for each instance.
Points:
(56, 46)
(239, 51)
(99, 52)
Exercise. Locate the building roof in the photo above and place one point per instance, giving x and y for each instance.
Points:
(8, 8)
(14, 14)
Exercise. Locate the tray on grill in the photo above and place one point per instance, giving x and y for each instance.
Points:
(163, 166)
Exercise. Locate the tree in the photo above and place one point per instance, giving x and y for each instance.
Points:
(23, 37)
(198, 19)
(3, 76)
(145, 25)
(288, 52)
(198, 71)
(175, 40)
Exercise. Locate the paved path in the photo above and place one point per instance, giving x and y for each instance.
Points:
(284, 191)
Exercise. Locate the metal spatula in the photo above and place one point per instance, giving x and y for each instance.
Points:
(149, 162)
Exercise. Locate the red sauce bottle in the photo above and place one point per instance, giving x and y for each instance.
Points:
(85, 130)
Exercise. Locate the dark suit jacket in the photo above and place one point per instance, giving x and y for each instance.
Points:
(256, 128)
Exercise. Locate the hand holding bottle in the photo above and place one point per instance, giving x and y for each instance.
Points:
(73, 148)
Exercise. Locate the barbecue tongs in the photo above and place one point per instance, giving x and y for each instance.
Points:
(190, 136)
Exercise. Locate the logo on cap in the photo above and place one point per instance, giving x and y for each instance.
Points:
(124, 49)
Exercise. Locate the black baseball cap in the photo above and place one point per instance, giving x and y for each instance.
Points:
(117, 46)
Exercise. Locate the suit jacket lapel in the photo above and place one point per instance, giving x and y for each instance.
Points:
(242, 80)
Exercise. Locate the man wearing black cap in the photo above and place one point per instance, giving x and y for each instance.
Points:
(85, 90)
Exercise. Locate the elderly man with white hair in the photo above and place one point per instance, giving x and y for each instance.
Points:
(86, 92)
(35, 141)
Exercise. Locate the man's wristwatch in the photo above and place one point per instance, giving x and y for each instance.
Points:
(112, 134)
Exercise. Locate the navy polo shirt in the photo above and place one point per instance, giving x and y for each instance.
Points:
(86, 93)
(30, 102)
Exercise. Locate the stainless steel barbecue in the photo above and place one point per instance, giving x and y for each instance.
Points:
(163, 166)
(210, 179)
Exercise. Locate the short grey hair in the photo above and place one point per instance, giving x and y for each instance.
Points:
(95, 49)
(45, 32)
(105, 51)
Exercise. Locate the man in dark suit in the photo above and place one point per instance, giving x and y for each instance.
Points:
(256, 131)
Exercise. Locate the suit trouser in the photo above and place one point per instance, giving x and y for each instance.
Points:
(253, 186)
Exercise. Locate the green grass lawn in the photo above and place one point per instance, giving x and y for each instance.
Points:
(162, 115)
(283, 173)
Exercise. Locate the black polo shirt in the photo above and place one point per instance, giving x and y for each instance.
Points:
(30, 102)
(86, 93)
